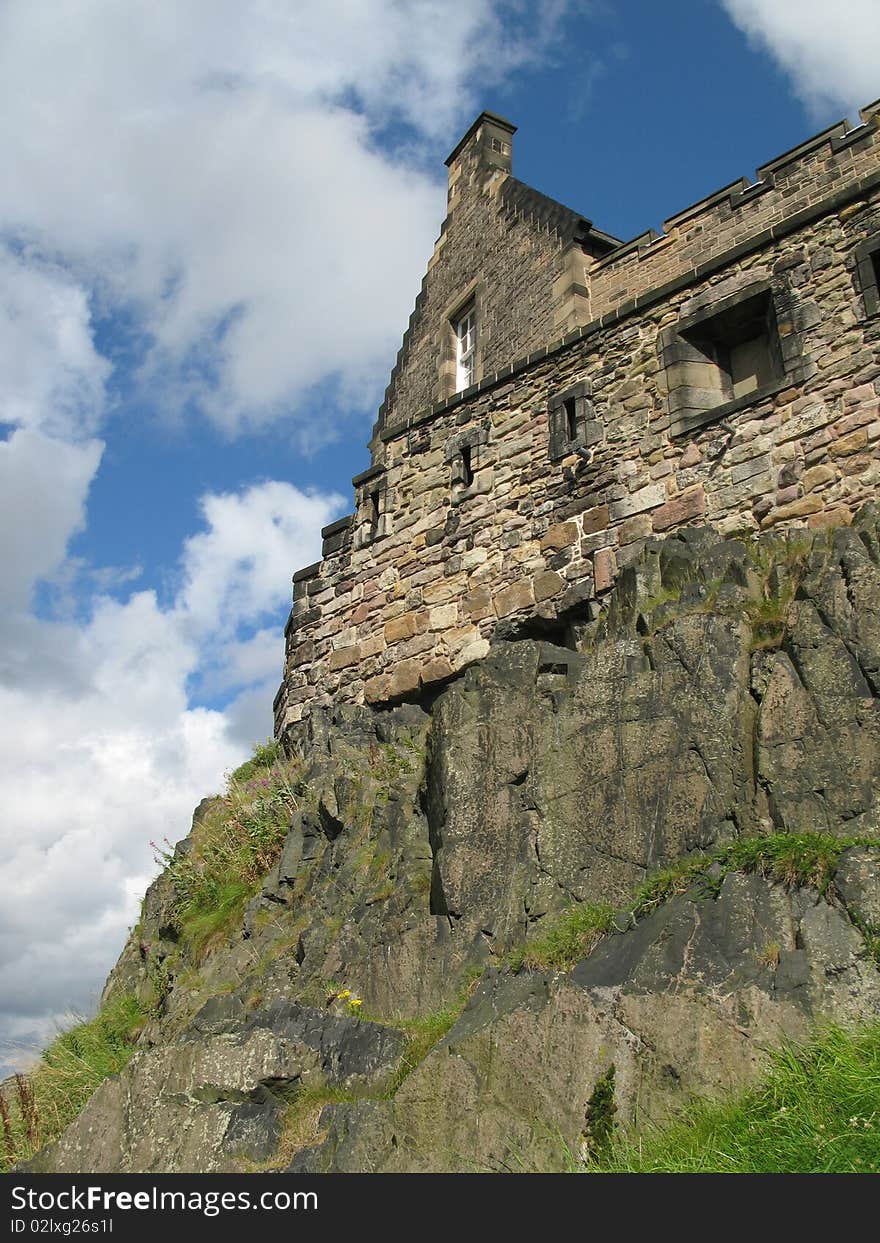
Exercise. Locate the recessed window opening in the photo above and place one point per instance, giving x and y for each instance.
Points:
(875, 261)
(467, 466)
(373, 511)
(742, 345)
(571, 419)
(465, 349)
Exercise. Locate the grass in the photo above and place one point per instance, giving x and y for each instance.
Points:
(816, 1111)
(299, 1125)
(43, 1102)
(233, 848)
(571, 938)
(792, 859)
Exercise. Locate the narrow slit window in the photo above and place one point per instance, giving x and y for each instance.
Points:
(571, 418)
(467, 466)
(373, 512)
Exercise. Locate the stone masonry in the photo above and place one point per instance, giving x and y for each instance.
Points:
(724, 372)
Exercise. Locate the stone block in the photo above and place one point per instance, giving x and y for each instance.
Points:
(852, 443)
(436, 670)
(637, 502)
(604, 568)
(798, 509)
(403, 627)
(547, 585)
(634, 528)
(376, 689)
(595, 519)
(477, 604)
(514, 598)
(562, 535)
(404, 677)
(817, 476)
(442, 617)
(474, 651)
(680, 509)
(343, 657)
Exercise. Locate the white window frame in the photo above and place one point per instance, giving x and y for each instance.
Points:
(465, 327)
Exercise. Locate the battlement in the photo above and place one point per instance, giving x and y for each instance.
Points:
(726, 371)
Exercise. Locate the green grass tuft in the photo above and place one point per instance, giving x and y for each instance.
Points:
(817, 1111)
(37, 1106)
(233, 848)
(793, 859)
(568, 940)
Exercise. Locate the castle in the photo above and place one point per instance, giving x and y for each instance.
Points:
(561, 396)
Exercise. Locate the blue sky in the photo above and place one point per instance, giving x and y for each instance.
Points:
(214, 222)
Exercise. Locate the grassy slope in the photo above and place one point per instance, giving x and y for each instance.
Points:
(817, 1111)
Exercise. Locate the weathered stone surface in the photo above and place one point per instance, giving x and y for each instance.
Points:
(686, 1002)
(547, 585)
(512, 599)
(727, 689)
(604, 568)
(684, 508)
(205, 1102)
(857, 880)
(562, 535)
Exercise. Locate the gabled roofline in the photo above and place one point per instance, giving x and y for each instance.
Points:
(502, 122)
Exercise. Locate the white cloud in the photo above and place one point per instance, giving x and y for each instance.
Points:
(828, 50)
(213, 176)
(213, 166)
(110, 753)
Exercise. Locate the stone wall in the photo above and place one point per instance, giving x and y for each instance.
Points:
(466, 522)
(518, 256)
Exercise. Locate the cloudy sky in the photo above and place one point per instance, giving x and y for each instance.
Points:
(214, 218)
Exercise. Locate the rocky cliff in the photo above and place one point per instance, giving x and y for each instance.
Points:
(599, 873)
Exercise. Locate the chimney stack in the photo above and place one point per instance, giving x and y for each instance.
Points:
(484, 151)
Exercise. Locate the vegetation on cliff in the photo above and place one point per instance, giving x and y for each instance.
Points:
(817, 1111)
(37, 1106)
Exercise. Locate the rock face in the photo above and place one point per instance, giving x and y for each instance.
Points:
(730, 691)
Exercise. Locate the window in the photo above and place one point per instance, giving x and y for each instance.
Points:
(465, 349)
(723, 357)
(373, 507)
(464, 456)
(466, 470)
(572, 426)
(867, 257)
(373, 513)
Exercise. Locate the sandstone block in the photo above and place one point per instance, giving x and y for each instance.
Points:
(514, 598)
(849, 444)
(376, 689)
(798, 509)
(343, 657)
(637, 502)
(477, 604)
(403, 627)
(838, 516)
(816, 476)
(474, 651)
(595, 519)
(547, 584)
(562, 535)
(442, 617)
(604, 568)
(436, 670)
(681, 509)
(404, 677)
(634, 528)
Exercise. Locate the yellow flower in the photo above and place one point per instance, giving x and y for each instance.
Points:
(355, 1001)
(346, 992)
